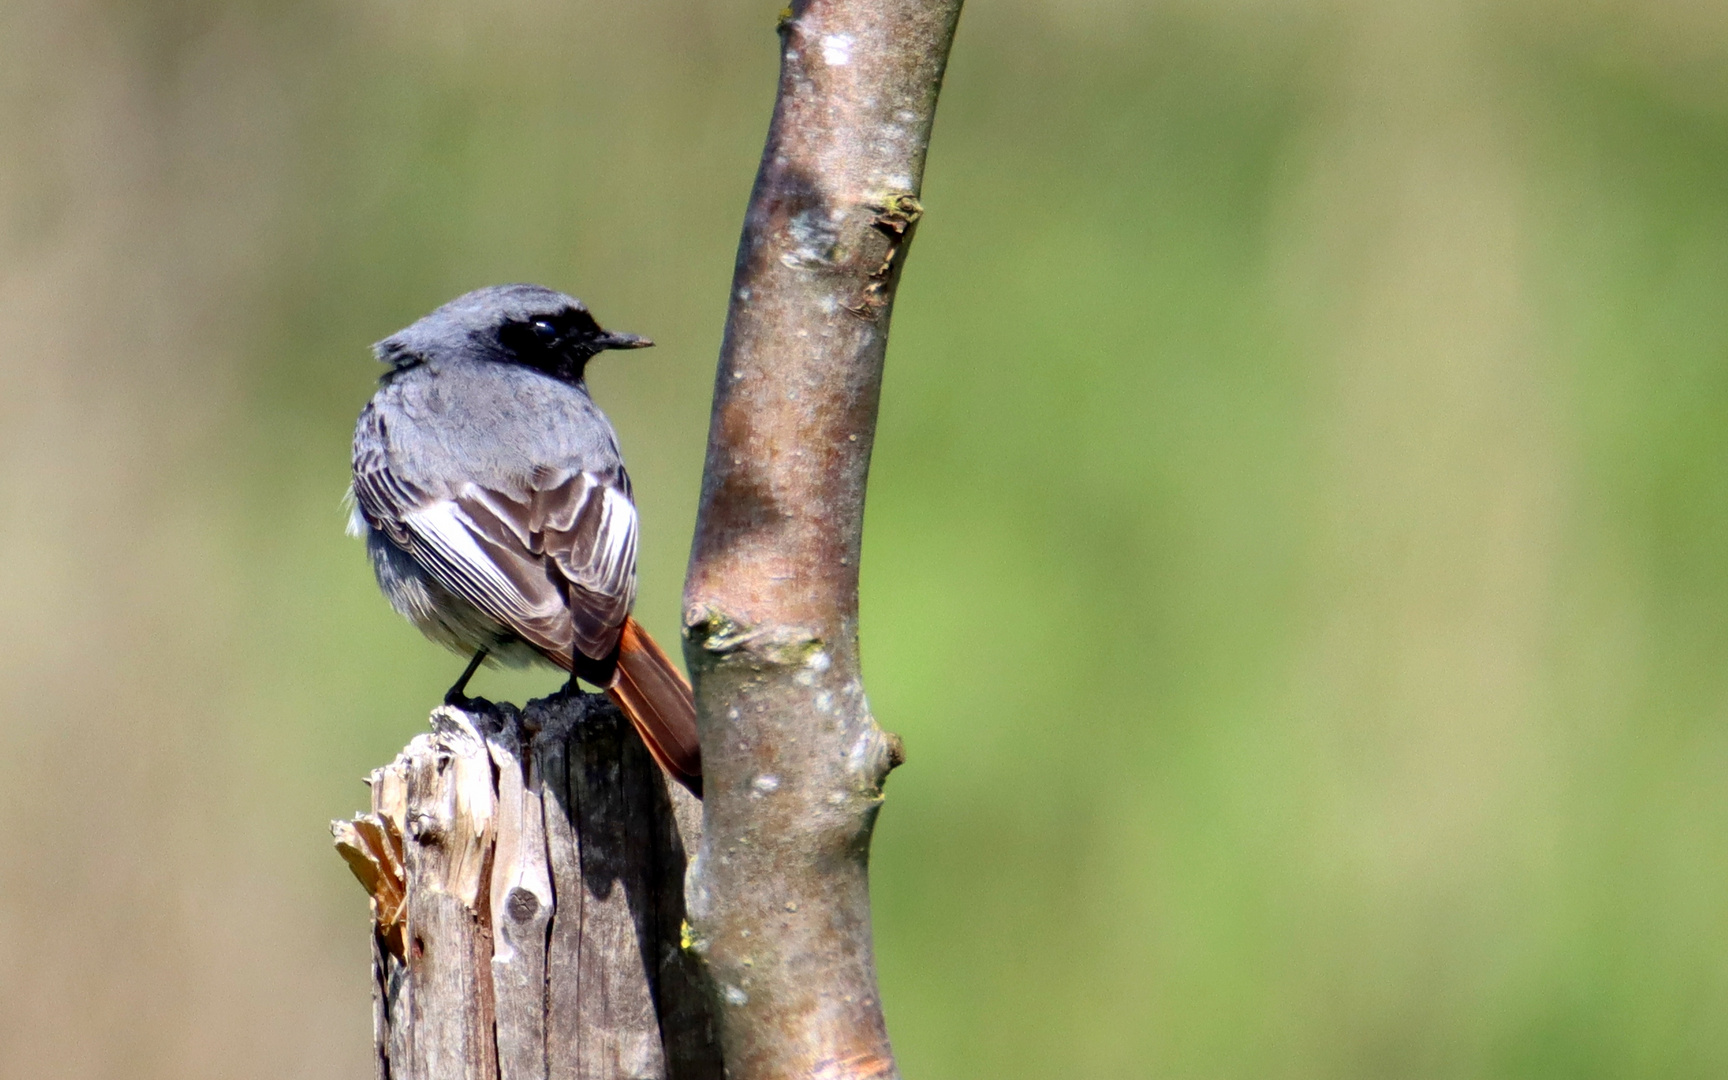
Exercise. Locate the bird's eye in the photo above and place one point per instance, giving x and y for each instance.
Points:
(544, 331)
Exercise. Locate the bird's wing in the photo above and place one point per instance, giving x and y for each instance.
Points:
(580, 525)
(553, 557)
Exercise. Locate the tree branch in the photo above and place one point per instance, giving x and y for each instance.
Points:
(793, 762)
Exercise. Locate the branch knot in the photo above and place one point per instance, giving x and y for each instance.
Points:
(896, 218)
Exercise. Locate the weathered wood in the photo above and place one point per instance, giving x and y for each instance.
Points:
(616, 868)
(522, 910)
(526, 872)
(450, 803)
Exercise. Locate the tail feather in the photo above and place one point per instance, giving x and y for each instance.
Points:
(654, 695)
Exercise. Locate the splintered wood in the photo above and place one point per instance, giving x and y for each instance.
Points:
(526, 873)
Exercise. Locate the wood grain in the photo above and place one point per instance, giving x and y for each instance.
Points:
(526, 873)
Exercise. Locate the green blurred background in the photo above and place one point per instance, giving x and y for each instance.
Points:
(1297, 555)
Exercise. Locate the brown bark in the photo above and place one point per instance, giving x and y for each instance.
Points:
(526, 871)
(793, 762)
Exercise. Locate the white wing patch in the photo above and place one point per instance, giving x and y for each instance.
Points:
(446, 530)
(615, 554)
(356, 526)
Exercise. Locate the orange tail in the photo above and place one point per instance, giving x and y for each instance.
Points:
(654, 695)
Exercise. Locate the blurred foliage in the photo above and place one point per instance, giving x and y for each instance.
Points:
(1298, 547)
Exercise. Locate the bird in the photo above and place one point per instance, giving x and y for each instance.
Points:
(496, 510)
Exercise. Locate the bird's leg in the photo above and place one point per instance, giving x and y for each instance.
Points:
(596, 673)
(458, 694)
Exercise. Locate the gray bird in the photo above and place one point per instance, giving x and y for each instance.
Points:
(496, 509)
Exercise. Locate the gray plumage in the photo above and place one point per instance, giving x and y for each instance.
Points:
(489, 486)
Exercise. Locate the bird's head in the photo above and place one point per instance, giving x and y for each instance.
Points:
(529, 325)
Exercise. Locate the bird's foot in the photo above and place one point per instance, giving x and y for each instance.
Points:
(477, 705)
(571, 689)
(457, 698)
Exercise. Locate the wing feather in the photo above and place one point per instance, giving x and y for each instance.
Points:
(553, 558)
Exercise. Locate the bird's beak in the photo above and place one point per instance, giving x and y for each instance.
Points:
(610, 340)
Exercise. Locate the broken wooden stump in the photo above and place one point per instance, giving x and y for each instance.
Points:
(526, 869)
